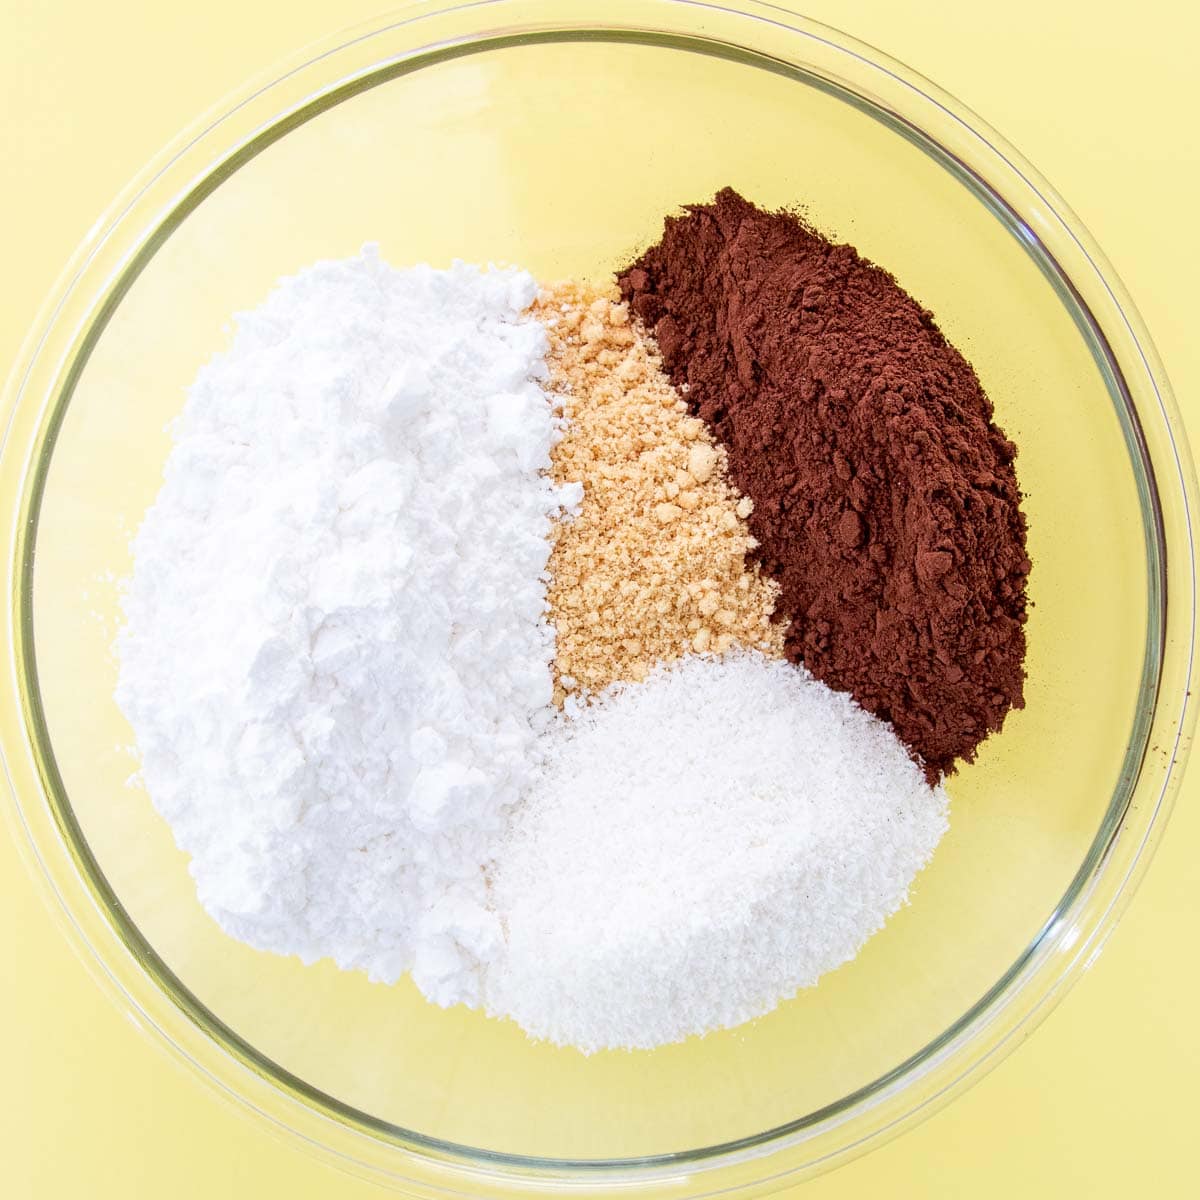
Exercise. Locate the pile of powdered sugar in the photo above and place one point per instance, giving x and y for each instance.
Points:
(336, 659)
(696, 848)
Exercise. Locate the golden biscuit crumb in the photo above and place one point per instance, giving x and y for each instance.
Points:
(654, 565)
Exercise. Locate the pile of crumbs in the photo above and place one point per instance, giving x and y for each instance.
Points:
(654, 565)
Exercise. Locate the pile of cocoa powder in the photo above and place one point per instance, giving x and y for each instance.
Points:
(885, 501)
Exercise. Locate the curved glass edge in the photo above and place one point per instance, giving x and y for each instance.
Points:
(1070, 939)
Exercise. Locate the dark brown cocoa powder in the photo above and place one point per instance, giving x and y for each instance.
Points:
(885, 501)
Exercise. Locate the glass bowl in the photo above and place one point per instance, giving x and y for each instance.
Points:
(557, 137)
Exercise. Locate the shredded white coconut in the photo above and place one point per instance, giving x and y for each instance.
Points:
(336, 655)
(698, 847)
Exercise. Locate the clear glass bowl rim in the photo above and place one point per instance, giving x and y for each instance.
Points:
(760, 35)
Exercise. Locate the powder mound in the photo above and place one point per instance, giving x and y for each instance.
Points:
(335, 658)
(885, 500)
(696, 848)
(653, 565)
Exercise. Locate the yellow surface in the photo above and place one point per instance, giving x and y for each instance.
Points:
(1095, 1105)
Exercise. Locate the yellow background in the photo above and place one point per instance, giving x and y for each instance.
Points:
(1099, 1103)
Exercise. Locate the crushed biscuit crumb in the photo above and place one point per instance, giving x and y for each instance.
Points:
(654, 564)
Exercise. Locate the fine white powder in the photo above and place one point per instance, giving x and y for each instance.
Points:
(698, 847)
(336, 654)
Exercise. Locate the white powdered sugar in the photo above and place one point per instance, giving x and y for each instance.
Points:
(698, 847)
(336, 657)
